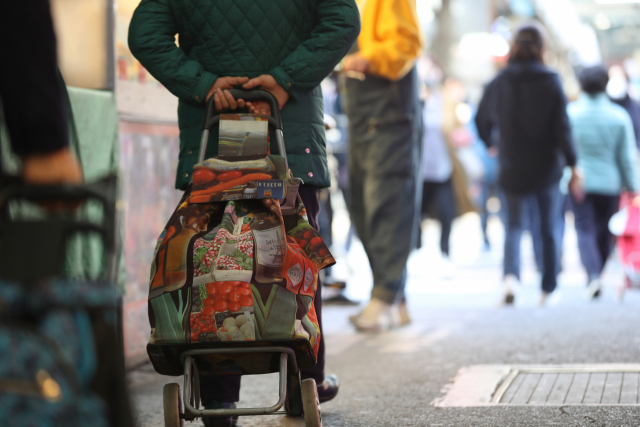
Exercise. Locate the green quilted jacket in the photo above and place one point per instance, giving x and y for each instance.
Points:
(298, 42)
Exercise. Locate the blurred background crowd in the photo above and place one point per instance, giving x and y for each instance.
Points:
(590, 45)
(464, 45)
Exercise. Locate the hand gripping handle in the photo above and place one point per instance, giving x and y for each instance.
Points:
(212, 118)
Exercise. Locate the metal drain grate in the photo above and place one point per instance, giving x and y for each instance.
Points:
(572, 388)
(544, 385)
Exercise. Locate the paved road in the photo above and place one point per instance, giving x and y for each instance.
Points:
(391, 379)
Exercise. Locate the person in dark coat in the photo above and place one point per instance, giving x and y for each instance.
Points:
(523, 114)
(32, 95)
(618, 91)
(286, 47)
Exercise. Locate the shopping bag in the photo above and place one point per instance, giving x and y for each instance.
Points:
(239, 270)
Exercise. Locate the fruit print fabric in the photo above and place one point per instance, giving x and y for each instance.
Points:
(203, 285)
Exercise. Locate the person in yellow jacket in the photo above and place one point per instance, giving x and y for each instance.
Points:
(380, 90)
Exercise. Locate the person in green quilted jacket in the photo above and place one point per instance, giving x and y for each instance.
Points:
(286, 47)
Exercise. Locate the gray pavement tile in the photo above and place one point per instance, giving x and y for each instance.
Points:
(391, 379)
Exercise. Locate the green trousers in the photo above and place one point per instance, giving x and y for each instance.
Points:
(384, 168)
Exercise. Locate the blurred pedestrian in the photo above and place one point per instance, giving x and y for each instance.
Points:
(33, 96)
(607, 156)
(523, 113)
(337, 142)
(618, 91)
(445, 185)
(289, 56)
(383, 107)
(437, 169)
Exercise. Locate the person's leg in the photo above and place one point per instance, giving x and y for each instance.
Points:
(219, 388)
(585, 223)
(391, 223)
(325, 221)
(559, 229)
(484, 213)
(446, 208)
(309, 196)
(392, 197)
(548, 199)
(605, 208)
(356, 203)
(428, 195)
(503, 213)
(531, 219)
(513, 233)
(325, 216)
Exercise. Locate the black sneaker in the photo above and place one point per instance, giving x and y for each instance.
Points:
(509, 299)
(329, 388)
(339, 299)
(220, 422)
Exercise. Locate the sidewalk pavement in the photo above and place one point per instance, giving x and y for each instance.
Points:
(391, 379)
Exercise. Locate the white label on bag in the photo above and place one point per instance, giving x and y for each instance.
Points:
(270, 247)
(308, 279)
(295, 275)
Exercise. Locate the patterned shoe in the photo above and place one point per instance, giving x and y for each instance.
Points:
(403, 317)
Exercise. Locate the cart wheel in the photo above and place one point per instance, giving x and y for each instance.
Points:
(311, 403)
(172, 402)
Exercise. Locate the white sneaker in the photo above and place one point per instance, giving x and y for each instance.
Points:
(446, 267)
(376, 317)
(550, 299)
(594, 288)
(354, 317)
(403, 317)
(543, 298)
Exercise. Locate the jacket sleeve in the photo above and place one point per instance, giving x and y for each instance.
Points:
(484, 123)
(32, 95)
(152, 41)
(626, 155)
(397, 42)
(562, 127)
(337, 27)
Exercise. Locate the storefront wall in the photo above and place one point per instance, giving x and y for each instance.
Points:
(148, 159)
(94, 57)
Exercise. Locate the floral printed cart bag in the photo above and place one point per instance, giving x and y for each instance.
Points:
(233, 272)
(237, 270)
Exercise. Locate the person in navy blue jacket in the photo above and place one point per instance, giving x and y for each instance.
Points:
(523, 114)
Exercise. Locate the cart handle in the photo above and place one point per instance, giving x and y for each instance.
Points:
(102, 191)
(212, 118)
(16, 233)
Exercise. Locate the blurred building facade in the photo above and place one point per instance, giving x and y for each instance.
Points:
(106, 81)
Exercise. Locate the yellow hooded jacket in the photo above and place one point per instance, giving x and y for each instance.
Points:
(390, 38)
